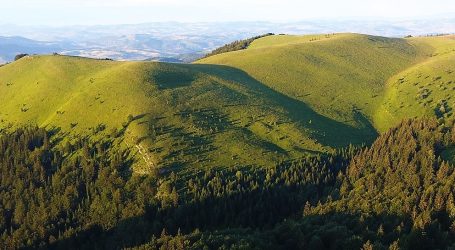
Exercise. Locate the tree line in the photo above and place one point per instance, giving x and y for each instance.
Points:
(236, 45)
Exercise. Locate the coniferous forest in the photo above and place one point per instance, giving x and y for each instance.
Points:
(397, 193)
(236, 45)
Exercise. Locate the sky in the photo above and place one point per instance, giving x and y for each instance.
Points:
(94, 12)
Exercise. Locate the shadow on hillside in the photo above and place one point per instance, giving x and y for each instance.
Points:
(324, 130)
(334, 230)
(259, 209)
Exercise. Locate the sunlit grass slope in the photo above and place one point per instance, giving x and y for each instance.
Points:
(424, 89)
(181, 115)
(61, 90)
(352, 78)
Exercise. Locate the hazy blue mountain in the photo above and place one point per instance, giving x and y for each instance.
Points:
(11, 46)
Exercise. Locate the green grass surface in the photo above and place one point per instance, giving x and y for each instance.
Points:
(424, 89)
(366, 82)
(184, 115)
(282, 98)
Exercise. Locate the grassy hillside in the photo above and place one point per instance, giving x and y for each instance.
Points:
(426, 88)
(336, 75)
(174, 115)
(351, 78)
(283, 97)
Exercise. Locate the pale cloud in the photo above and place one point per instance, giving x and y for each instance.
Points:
(142, 3)
(125, 3)
(62, 12)
(99, 3)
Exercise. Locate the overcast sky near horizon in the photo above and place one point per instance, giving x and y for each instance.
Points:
(91, 12)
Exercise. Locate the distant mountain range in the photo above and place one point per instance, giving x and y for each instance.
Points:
(11, 46)
(131, 47)
(185, 42)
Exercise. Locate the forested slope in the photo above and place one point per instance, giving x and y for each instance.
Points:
(398, 192)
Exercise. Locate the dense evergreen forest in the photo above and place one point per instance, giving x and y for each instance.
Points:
(236, 45)
(397, 193)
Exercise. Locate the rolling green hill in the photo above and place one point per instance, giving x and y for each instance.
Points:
(175, 115)
(351, 78)
(426, 88)
(281, 98)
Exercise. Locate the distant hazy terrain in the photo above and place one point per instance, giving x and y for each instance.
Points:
(11, 46)
(185, 42)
